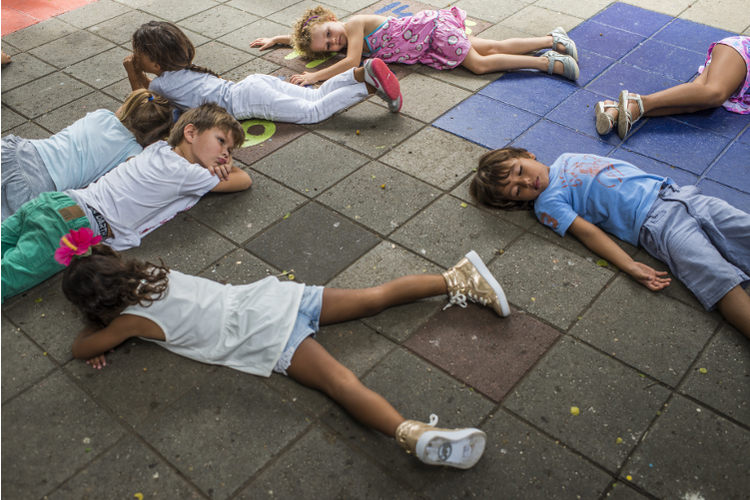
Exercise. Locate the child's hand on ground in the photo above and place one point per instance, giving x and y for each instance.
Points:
(649, 277)
(263, 43)
(97, 362)
(305, 78)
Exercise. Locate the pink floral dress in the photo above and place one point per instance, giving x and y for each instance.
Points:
(739, 102)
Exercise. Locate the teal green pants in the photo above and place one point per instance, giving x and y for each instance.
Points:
(30, 238)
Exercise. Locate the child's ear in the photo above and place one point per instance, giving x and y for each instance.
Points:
(189, 133)
(529, 154)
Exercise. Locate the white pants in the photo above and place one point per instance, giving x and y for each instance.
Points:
(270, 98)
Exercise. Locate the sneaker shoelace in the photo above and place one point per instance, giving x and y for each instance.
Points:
(456, 298)
(433, 420)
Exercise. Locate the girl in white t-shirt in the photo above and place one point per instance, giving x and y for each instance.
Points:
(83, 152)
(263, 327)
(162, 49)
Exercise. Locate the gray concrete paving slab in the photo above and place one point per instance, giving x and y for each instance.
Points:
(24, 69)
(53, 430)
(249, 32)
(138, 469)
(663, 344)
(10, 119)
(261, 7)
(379, 197)
(687, 449)
(120, 29)
(29, 130)
(38, 34)
(446, 168)
(719, 376)
(539, 21)
(570, 242)
(71, 49)
(548, 281)
(287, 16)
(240, 216)
(313, 241)
(461, 77)
(218, 21)
(101, 70)
(239, 268)
(521, 463)
(256, 66)
(171, 10)
(266, 137)
(220, 58)
(94, 13)
(355, 345)
(446, 231)
(156, 379)
(23, 362)
(206, 434)
(380, 131)
(119, 91)
(615, 404)
(322, 465)
(50, 92)
(310, 165)
(68, 114)
(425, 98)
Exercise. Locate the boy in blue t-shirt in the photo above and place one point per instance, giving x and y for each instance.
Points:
(704, 240)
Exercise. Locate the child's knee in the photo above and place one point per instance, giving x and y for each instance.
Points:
(341, 381)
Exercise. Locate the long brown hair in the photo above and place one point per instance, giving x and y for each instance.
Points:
(166, 45)
(492, 171)
(103, 284)
(148, 116)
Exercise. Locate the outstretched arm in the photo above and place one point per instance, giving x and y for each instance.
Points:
(267, 43)
(598, 242)
(236, 180)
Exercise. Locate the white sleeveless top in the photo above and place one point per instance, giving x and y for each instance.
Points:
(243, 327)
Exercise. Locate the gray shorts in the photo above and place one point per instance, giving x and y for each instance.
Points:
(704, 240)
(24, 175)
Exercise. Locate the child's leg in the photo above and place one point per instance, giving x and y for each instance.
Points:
(481, 64)
(513, 46)
(346, 305)
(711, 89)
(314, 367)
(735, 307)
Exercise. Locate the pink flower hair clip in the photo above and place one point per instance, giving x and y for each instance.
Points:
(76, 243)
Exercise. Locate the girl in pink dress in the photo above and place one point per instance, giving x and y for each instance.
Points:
(723, 81)
(436, 38)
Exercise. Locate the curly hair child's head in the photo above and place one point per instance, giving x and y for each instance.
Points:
(148, 116)
(492, 171)
(301, 37)
(103, 284)
(166, 45)
(205, 117)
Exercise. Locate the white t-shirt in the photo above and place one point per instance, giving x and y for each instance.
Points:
(145, 192)
(188, 89)
(243, 327)
(81, 153)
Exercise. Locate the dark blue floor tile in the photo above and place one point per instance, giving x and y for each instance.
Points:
(668, 60)
(733, 168)
(745, 137)
(578, 113)
(591, 65)
(681, 177)
(633, 19)
(691, 36)
(529, 91)
(605, 40)
(623, 77)
(677, 144)
(717, 120)
(486, 121)
(549, 140)
(735, 198)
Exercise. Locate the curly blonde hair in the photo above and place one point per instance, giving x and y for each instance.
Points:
(301, 36)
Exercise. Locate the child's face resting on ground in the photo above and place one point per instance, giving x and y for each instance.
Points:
(212, 147)
(328, 37)
(526, 180)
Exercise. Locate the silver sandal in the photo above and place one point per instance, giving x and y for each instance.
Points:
(625, 120)
(570, 68)
(604, 121)
(560, 36)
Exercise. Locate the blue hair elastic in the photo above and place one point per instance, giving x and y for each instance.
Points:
(150, 98)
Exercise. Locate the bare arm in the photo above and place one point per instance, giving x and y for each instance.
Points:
(237, 180)
(598, 242)
(136, 76)
(267, 43)
(92, 343)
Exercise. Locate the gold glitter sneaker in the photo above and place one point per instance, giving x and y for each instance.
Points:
(470, 279)
(460, 448)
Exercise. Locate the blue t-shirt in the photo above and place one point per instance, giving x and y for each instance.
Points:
(86, 150)
(609, 193)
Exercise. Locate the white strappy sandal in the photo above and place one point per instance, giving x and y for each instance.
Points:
(605, 122)
(625, 120)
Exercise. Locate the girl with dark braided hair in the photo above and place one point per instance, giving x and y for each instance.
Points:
(162, 49)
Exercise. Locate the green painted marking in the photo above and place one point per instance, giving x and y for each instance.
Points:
(293, 54)
(269, 128)
(318, 62)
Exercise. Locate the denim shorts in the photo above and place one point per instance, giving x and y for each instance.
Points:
(308, 323)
